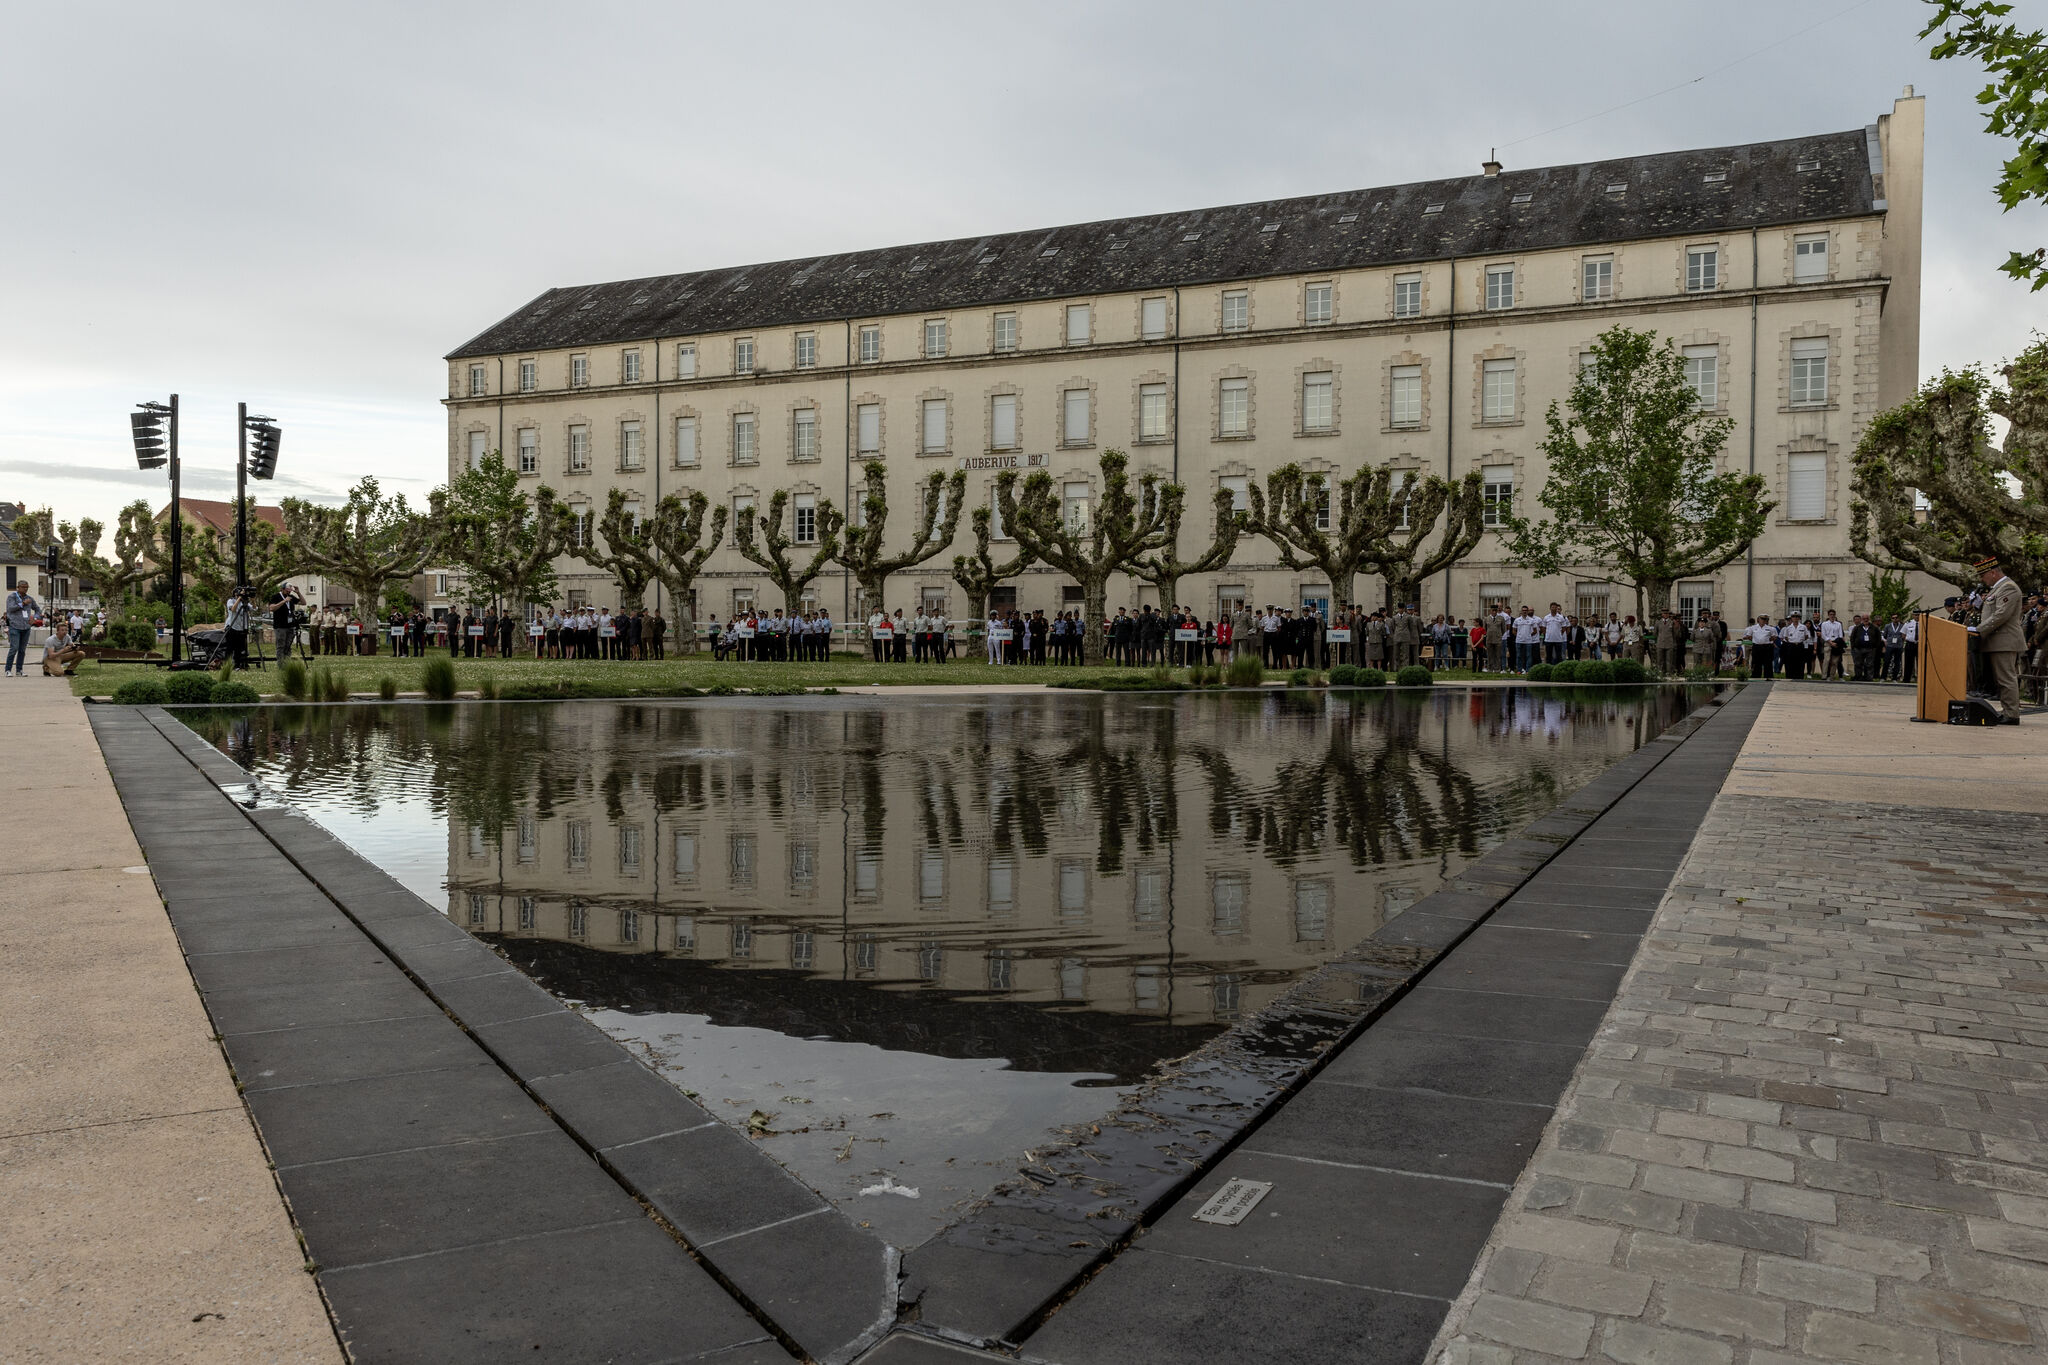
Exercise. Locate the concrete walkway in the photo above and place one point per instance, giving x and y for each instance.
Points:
(1814, 1125)
(138, 1217)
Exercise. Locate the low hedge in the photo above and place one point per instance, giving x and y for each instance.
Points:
(234, 694)
(1629, 671)
(1415, 675)
(1538, 673)
(141, 692)
(190, 689)
(1594, 671)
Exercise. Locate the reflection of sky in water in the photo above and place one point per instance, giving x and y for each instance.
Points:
(948, 1128)
(1006, 906)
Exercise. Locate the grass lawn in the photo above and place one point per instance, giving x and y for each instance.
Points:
(698, 671)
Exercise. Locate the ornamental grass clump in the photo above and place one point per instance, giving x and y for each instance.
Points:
(1245, 671)
(437, 679)
(292, 679)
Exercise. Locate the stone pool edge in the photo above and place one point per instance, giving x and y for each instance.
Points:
(991, 1277)
(742, 1216)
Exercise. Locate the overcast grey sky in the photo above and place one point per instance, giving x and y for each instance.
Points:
(307, 207)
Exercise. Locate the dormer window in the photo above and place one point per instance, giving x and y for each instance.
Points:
(1434, 208)
(1521, 199)
(1618, 187)
(1270, 227)
(1714, 177)
(1049, 251)
(1191, 237)
(1347, 217)
(1809, 164)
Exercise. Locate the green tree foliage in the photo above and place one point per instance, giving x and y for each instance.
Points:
(1122, 527)
(1981, 500)
(368, 541)
(938, 516)
(1633, 487)
(269, 555)
(621, 544)
(683, 532)
(978, 574)
(776, 541)
(1889, 595)
(1166, 568)
(2015, 102)
(504, 542)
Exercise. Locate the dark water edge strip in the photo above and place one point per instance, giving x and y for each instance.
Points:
(990, 1277)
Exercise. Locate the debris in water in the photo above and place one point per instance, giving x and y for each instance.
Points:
(889, 1186)
(757, 1124)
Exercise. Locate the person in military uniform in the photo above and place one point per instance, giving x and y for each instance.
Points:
(1667, 643)
(1706, 643)
(2001, 635)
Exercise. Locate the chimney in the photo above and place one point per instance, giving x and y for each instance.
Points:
(1490, 165)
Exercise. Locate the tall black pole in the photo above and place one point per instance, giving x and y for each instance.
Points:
(177, 529)
(241, 494)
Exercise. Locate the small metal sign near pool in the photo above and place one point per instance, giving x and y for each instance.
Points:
(1231, 1204)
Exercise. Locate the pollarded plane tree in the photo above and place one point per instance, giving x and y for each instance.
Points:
(1410, 546)
(1317, 526)
(505, 542)
(681, 535)
(863, 553)
(209, 556)
(1091, 548)
(369, 541)
(1975, 499)
(1165, 569)
(1634, 492)
(780, 535)
(619, 544)
(978, 574)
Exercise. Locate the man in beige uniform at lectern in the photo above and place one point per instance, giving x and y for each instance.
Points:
(2001, 635)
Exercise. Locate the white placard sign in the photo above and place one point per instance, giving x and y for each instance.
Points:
(1002, 633)
(885, 632)
(606, 632)
(398, 632)
(1183, 633)
(1233, 1202)
(744, 632)
(536, 630)
(476, 630)
(1338, 637)
(355, 630)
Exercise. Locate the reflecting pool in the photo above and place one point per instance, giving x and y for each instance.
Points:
(901, 939)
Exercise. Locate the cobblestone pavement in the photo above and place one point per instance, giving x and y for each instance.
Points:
(1814, 1126)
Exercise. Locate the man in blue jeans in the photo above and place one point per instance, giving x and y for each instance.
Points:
(21, 618)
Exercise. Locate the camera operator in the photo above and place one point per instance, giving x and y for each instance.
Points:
(287, 612)
(236, 619)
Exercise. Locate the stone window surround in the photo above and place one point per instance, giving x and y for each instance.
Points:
(1724, 345)
(1806, 331)
(632, 351)
(1613, 254)
(619, 442)
(820, 501)
(1016, 313)
(1500, 455)
(731, 455)
(1094, 308)
(874, 400)
(461, 460)
(1336, 284)
(567, 423)
(1422, 270)
(1515, 263)
(674, 450)
(1094, 411)
(988, 397)
(1387, 391)
(881, 343)
(1251, 402)
(1251, 312)
(1500, 351)
(1802, 571)
(924, 324)
(795, 341)
(1138, 383)
(1138, 316)
(952, 416)
(816, 409)
(1781, 482)
(538, 449)
(1833, 232)
(1319, 365)
(1721, 259)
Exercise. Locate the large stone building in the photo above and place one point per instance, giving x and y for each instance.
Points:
(1425, 326)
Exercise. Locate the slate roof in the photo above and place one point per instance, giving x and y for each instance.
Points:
(1668, 194)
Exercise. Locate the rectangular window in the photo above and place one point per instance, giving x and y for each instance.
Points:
(579, 449)
(477, 385)
(1006, 332)
(743, 356)
(995, 516)
(1809, 371)
(1318, 401)
(631, 456)
(529, 376)
(1237, 310)
(1408, 295)
(629, 367)
(1500, 287)
(579, 371)
(1405, 395)
(1494, 597)
(1316, 305)
(744, 451)
(686, 442)
(935, 338)
(1074, 421)
(1002, 422)
(1153, 319)
(477, 447)
(1497, 487)
(1322, 495)
(629, 850)
(529, 451)
(1806, 496)
(1234, 407)
(1804, 598)
(1596, 278)
(686, 361)
(1693, 599)
(1311, 911)
(1228, 894)
(1074, 506)
(868, 418)
(1702, 269)
(870, 345)
(806, 350)
(1239, 486)
(1152, 412)
(934, 426)
(1497, 392)
(1078, 324)
(804, 434)
(1703, 372)
(579, 843)
(804, 509)
(1810, 258)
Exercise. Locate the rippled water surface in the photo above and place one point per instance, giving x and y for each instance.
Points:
(906, 937)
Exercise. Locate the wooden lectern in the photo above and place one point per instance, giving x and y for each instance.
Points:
(1944, 665)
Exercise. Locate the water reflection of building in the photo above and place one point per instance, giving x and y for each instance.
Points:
(1154, 861)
